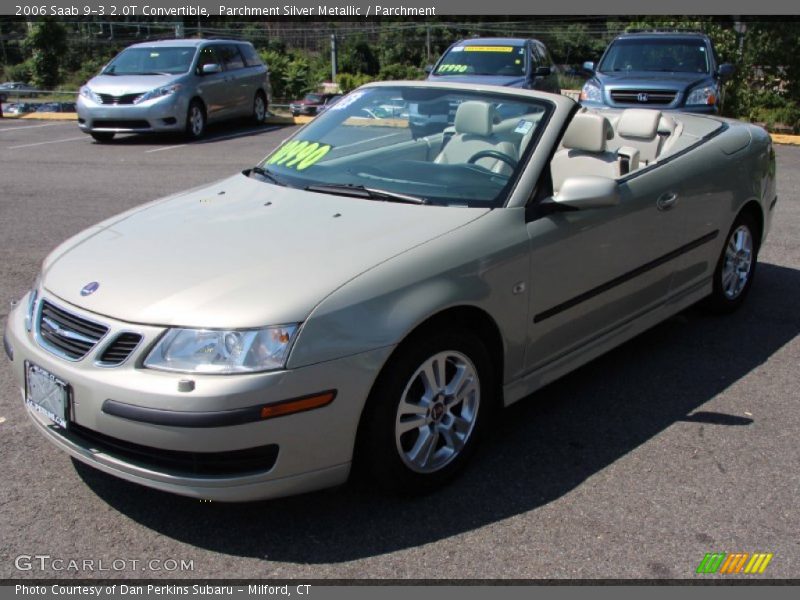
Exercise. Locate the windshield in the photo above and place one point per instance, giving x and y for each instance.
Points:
(151, 61)
(506, 61)
(315, 98)
(442, 146)
(670, 55)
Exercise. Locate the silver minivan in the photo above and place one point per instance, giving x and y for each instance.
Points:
(174, 85)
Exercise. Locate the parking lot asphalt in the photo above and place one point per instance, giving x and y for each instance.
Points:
(681, 442)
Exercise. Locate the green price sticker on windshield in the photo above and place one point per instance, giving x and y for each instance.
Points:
(299, 154)
(452, 69)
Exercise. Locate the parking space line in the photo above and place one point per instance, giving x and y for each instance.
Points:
(165, 148)
(83, 137)
(215, 139)
(381, 137)
(17, 128)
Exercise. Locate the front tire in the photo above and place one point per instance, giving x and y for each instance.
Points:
(102, 136)
(733, 276)
(259, 108)
(195, 121)
(426, 412)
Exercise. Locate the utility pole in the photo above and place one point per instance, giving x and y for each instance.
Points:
(428, 43)
(333, 58)
(740, 27)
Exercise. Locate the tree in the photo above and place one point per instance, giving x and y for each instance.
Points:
(47, 43)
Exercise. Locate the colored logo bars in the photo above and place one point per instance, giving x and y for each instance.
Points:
(735, 562)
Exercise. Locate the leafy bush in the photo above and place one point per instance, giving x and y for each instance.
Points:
(47, 43)
(21, 72)
(396, 72)
(349, 81)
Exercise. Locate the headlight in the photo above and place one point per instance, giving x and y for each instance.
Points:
(34, 294)
(591, 93)
(87, 92)
(223, 351)
(158, 93)
(703, 95)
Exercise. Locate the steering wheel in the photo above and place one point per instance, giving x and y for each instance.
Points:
(493, 154)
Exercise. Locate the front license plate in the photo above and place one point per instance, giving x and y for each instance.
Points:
(46, 394)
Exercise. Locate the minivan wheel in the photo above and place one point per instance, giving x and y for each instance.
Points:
(195, 120)
(733, 276)
(259, 108)
(426, 412)
(102, 136)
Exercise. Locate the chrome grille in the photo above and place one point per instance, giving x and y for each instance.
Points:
(118, 351)
(67, 334)
(124, 99)
(660, 97)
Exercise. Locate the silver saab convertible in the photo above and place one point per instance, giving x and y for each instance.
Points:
(367, 295)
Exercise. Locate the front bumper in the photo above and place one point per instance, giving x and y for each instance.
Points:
(154, 116)
(314, 448)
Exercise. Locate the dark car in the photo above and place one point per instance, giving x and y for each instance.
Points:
(663, 70)
(512, 62)
(312, 104)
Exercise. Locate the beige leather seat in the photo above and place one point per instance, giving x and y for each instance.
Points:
(473, 133)
(638, 127)
(584, 150)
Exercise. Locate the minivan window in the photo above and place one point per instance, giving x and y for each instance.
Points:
(231, 57)
(251, 57)
(156, 60)
(483, 60)
(666, 55)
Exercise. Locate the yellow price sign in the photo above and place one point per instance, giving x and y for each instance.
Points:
(452, 69)
(299, 154)
(488, 48)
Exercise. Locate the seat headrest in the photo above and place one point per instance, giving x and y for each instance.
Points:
(475, 117)
(666, 125)
(588, 132)
(639, 123)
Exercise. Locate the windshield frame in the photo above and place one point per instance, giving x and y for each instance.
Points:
(503, 196)
(109, 68)
(603, 66)
(450, 51)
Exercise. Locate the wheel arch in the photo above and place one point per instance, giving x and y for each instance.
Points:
(754, 209)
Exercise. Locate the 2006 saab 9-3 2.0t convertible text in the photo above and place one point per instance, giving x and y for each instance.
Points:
(372, 290)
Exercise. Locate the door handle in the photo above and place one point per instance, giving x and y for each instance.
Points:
(667, 200)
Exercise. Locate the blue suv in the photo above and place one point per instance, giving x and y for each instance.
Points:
(663, 70)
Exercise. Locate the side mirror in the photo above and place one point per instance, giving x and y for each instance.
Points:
(428, 69)
(211, 68)
(587, 191)
(725, 71)
(542, 71)
(588, 66)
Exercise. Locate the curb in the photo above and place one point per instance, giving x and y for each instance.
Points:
(783, 138)
(277, 120)
(45, 116)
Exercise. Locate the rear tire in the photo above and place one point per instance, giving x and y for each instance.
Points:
(102, 136)
(195, 120)
(736, 267)
(259, 107)
(426, 412)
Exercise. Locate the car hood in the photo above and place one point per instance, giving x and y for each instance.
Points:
(239, 253)
(120, 85)
(653, 80)
(517, 81)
